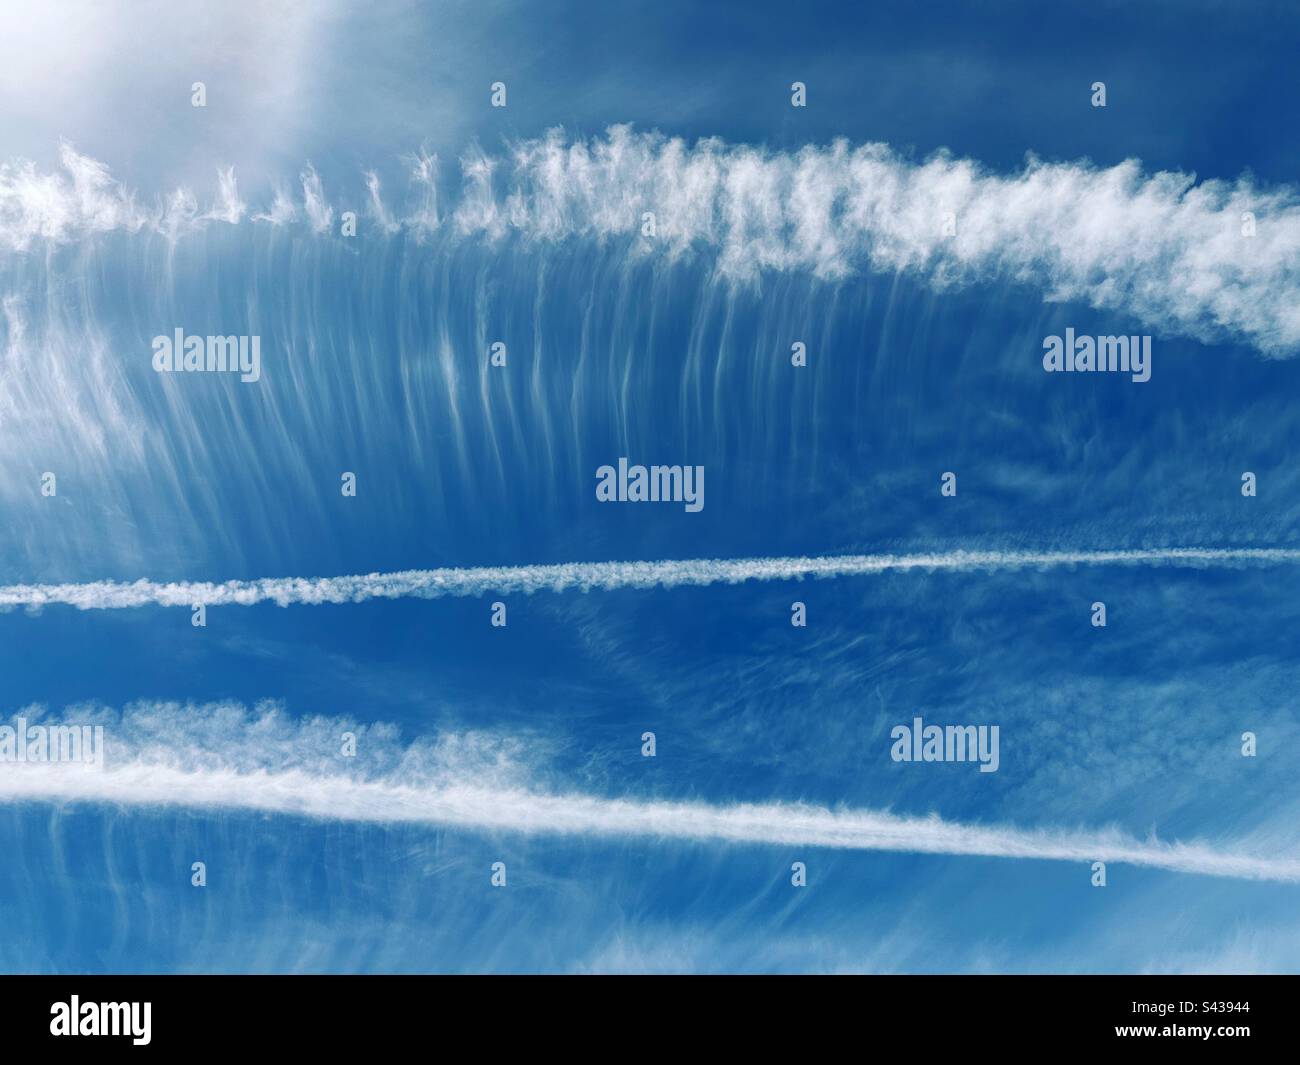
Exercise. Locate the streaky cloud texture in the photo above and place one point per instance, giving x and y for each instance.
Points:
(1178, 255)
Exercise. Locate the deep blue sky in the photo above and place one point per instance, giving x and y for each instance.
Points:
(374, 364)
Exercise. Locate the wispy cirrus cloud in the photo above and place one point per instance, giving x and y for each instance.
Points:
(1173, 253)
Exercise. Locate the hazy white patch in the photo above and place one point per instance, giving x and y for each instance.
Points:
(379, 214)
(229, 207)
(478, 211)
(76, 373)
(320, 214)
(424, 216)
(122, 74)
(1232, 952)
(180, 215)
(281, 212)
(82, 200)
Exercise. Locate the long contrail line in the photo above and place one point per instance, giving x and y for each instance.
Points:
(596, 576)
(472, 807)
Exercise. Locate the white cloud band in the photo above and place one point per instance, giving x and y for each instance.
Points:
(464, 805)
(1211, 260)
(596, 576)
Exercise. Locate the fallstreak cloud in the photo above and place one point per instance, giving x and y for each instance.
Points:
(598, 576)
(1173, 252)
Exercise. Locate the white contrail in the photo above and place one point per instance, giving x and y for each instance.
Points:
(473, 807)
(597, 576)
(218, 757)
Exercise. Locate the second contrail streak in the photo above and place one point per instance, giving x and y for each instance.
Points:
(597, 576)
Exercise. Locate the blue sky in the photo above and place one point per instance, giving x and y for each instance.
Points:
(126, 213)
